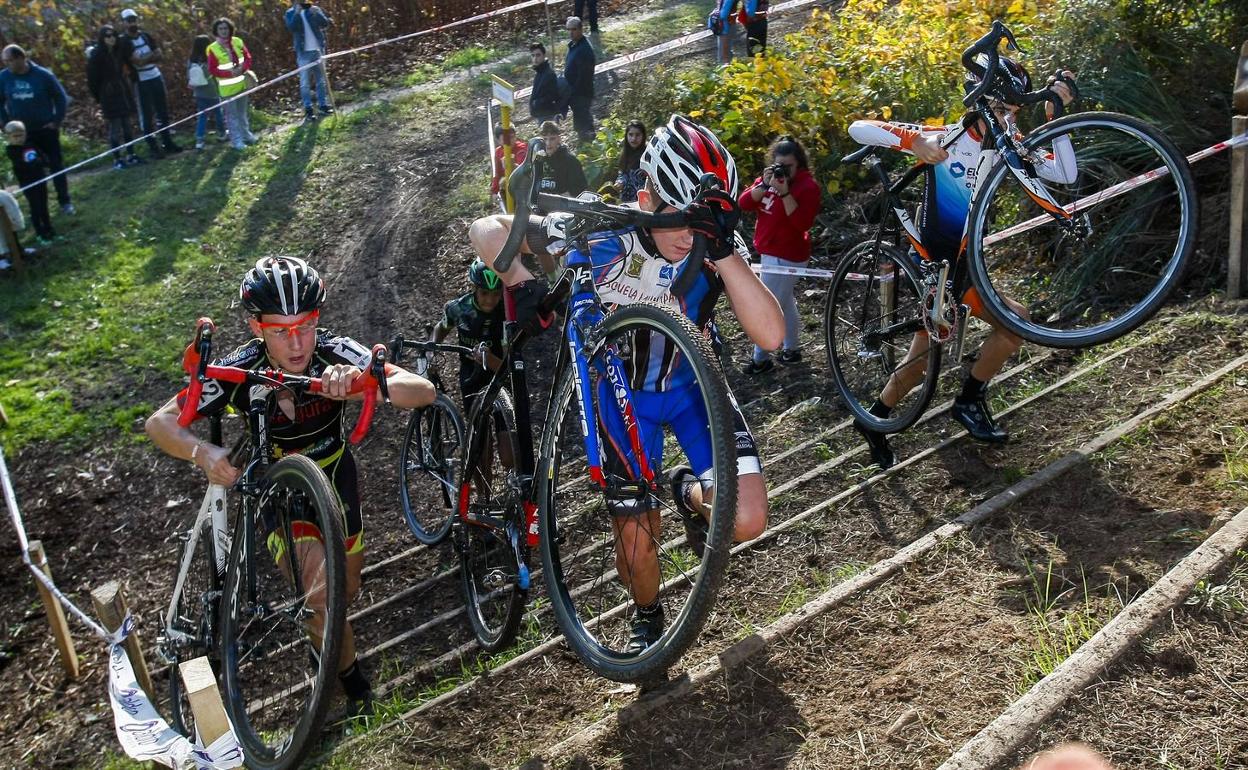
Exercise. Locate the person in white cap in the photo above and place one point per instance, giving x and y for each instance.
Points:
(143, 51)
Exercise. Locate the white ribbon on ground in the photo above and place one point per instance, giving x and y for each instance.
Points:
(140, 730)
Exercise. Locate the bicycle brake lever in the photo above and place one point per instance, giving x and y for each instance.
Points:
(377, 369)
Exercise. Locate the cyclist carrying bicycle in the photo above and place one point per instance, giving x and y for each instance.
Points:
(283, 296)
(636, 264)
(952, 155)
(477, 320)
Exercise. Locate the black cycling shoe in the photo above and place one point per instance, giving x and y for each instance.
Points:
(528, 297)
(975, 417)
(679, 478)
(361, 707)
(881, 453)
(647, 628)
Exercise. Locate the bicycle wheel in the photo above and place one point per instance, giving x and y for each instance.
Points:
(586, 547)
(493, 568)
(872, 316)
(278, 679)
(429, 469)
(1126, 251)
(191, 630)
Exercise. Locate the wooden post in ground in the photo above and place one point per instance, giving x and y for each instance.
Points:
(201, 690)
(1237, 266)
(55, 612)
(110, 608)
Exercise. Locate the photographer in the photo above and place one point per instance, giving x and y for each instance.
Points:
(787, 199)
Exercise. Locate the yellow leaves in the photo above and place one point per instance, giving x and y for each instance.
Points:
(887, 112)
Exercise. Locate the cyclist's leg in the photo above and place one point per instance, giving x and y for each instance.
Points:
(636, 523)
(690, 425)
(345, 481)
(970, 407)
(905, 377)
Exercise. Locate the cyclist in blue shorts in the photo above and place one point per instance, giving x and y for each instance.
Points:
(634, 265)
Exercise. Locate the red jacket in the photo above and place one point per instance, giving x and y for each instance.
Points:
(519, 149)
(778, 233)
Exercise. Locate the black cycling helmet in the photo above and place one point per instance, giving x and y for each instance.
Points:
(482, 277)
(679, 154)
(281, 286)
(1010, 73)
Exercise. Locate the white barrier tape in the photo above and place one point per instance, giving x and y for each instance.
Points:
(805, 272)
(146, 737)
(1114, 191)
(692, 37)
(180, 121)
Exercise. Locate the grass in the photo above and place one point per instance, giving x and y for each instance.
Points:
(1053, 639)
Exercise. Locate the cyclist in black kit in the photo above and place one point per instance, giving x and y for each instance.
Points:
(283, 296)
(477, 318)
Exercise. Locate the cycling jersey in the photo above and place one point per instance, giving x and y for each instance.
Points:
(317, 429)
(473, 326)
(948, 185)
(627, 270)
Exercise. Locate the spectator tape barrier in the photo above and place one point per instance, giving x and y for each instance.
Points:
(1071, 208)
(143, 734)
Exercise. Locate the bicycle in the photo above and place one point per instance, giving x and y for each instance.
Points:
(431, 449)
(1090, 259)
(234, 609)
(559, 505)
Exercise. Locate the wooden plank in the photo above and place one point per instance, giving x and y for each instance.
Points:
(55, 612)
(201, 690)
(994, 745)
(1237, 254)
(110, 608)
(1240, 95)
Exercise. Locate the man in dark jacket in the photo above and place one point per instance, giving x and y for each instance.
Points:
(143, 51)
(562, 173)
(307, 23)
(33, 95)
(578, 69)
(544, 102)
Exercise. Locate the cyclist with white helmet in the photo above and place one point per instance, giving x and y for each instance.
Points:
(283, 297)
(633, 265)
(952, 153)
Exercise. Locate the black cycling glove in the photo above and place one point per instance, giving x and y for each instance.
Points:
(715, 215)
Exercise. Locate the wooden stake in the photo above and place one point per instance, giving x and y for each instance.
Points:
(110, 608)
(55, 612)
(1237, 254)
(201, 690)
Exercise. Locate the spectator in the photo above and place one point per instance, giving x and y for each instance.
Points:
(754, 17)
(578, 11)
(307, 23)
(787, 199)
(561, 173)
(204, 87)
(578, 69)
(229, 61)
(519, 149)
(32, 95)
(721, 25)
(107, 82)
(1071, 756)
(143, 51)
(545, 101)
(11, 210)
(30, 166)
(631, 178)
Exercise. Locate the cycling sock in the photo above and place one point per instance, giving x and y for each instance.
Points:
(880, 409)
(354, 684)
(650, 610)
(972, 390)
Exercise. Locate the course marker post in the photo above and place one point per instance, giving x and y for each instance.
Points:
(1237, 254)
(55, 612)
(110, 608)
(201, 690)
(505, 95)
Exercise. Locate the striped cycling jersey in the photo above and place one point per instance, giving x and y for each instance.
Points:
(627, 270)
(948, 185)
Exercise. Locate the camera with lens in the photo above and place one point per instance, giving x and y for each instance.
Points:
(779, 171)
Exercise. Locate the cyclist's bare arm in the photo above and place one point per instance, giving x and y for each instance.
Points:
(174, 440)
(488, 234)
(923, 142)
(755, 307)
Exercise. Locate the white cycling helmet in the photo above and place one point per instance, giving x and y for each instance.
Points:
(679, 154)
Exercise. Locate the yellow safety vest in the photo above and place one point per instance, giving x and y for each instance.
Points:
(229, 86)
